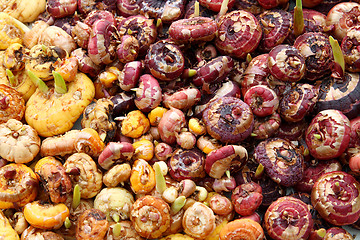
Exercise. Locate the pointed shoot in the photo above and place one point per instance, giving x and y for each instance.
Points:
(248, 58)
(60, 85)
(67, 223)
(321, 232)
(76, 196)
(298, 19)
(116, 229)
(116, 217)
(196, 9)
(158, 23)
(178, 204)
(102, 136)
(188, 72)
(44, 48)
(338, 55)
(160, 180)
(337, 188)
(11, 77)
(306, 152)
(228, 175)
(224, 8)
(317, 136)
(38, 82)
(259, 171)
(192, 72)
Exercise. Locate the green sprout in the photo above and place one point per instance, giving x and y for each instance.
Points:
(178, 204)
(298, 19)
(11, 77)
(76, 196)
(160, 180)
(38, 82)
(60, 85)
(337, 53)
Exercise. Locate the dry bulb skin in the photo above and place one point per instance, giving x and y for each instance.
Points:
(349, 47)
(339, 95)
(179, 119)
(19, 142)
(115, 152)
(83, 141)
(316, 49)
(167, 11)
(128, 50)
(75, 212)
(58, 10)
(286, 63)
(262, 100)
(18, 185)
(42, 60)
(266, 127)
(197, 29)
(314, 171)
(298, 102)
(172, 121)
(231, 40)
(140, 27)
(182, 99)
(282, 161)
(246, 198)
(228, 119)
(326, 141)
(98, 117)
(335, 196)
(56, 36)
(219, 161)
(255, 73)
(283, 214)
(114, 202)
(99, 46)
(187, 164)
(11, 104)
(92, 224)
(52, 175)
(46, 216)
(276, 25)
(198, 220)
(17, 221)
(150, 216)
(213, 71)
(242, 229)
(340, 16)
(148, 95)
(338, 233)
(83, 171)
